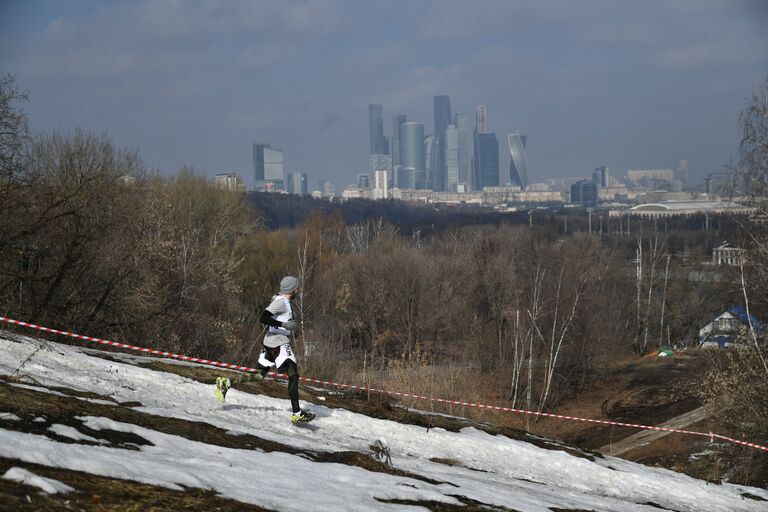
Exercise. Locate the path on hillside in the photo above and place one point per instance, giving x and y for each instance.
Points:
(645, 437)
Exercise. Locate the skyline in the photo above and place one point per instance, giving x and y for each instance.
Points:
(592, 84)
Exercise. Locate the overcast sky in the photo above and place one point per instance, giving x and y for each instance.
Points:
(619, 83)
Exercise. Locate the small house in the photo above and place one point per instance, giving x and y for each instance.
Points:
(729, 329)
(727, 254)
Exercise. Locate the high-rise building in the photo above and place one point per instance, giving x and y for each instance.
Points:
(451, 158)
(485, 163)
(300, 183)
(480, 126)
(268, 168)
(596, 176)
(431, 159)
(394, 147)
(412, 172)
(464, 158)
(380, 185)
(363, 181)
(584, 192)
(376, 129)
(297, 183)
(289, 183)
(605, 176)
(442, 110)
(518, 160)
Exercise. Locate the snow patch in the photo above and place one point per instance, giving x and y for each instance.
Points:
(7, 416)
(73, 433)
(46, 485)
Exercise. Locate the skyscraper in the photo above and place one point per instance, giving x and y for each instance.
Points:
(485, 162)
(376, 129)
(605, 176)
(485, 156)
(451, 158)
(518, 161)
(300, 184)
(480, 119)
(380, 185)
(464, 158)
(412, 156)
(363, 181)
(394, 147)
(268, 169)
(442, 108)
(431, 159)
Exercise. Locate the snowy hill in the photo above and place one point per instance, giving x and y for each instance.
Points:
(109, 415)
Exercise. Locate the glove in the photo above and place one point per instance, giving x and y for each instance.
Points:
(289, 324)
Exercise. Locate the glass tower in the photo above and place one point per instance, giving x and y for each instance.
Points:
(376, 129)
(394, 147)
(462, 133)
(413, 165)
(486, 160)
(451, 158)
(268, 168)
(518, 161)
(442, 106)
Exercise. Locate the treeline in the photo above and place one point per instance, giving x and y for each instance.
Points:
(290, 210)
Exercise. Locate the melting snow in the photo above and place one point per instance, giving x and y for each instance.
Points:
(46, 485)
(490, 469)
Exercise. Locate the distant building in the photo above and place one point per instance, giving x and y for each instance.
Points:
(584, 192)
(398, 120)
(451, 158)
(485, 162)
(376, 129)
(413, 161)
(443, 118)
(537, 197)
(464, 153)
(231, 182)
(605, 176)
(727, 254)
(363, 181)
(518, 161)
(675, 208)
(660, 196)
(730, 328)
(480, 126)
(651, 177)
(300, 184)
(431, 159)
(268, 168)
(380, 185)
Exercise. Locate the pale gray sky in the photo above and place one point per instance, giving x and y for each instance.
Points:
(592, 82)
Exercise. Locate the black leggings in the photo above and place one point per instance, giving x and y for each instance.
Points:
(289, 367)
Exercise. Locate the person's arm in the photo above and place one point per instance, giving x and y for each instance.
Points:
(268, 319)
(275, 309)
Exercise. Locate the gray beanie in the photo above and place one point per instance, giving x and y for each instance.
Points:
(289, 284)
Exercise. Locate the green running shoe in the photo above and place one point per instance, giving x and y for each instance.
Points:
(302, 417)
(222, 386)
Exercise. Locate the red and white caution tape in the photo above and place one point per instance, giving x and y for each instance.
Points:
(181, 357)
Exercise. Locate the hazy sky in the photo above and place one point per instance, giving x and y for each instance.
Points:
(620, 83)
